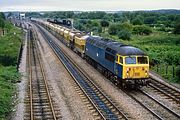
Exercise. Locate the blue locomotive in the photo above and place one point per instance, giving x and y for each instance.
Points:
(121, 63)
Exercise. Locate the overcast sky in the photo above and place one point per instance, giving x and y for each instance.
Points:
(87, 5)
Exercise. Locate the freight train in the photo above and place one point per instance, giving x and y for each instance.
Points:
(123, 64)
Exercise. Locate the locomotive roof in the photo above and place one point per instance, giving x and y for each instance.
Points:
(114, 46)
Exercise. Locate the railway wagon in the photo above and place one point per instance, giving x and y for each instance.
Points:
(79, 44)
(67, 36)
(72, 35)
(124, 64)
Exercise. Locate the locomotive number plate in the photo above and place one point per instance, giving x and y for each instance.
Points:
(137, 74)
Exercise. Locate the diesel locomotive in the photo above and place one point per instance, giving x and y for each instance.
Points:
(123, 64)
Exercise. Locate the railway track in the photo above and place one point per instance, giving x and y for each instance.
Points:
(101, 105)
(153, 105)
(39, 104)
(158, 109)
(165, 91)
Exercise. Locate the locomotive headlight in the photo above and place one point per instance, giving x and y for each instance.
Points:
(127, 72)
(146, 73)
(128, 69)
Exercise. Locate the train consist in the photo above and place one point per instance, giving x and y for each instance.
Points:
(123, 64)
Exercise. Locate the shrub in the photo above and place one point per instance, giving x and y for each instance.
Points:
(113, 29)
(137, 21)
(178, 72)
(142, 30)
(104, 23)
(177, 29)
(124, 34)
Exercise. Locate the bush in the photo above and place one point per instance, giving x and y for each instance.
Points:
(178, 73)
(104, 23)
(113, 29)
(142, 30)
(150, 20)
(137, 21)
(171, 58)
(124, 34)
(2, 23)
(126, 26)
(177, 29)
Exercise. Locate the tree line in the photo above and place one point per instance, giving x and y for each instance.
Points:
(139, 22)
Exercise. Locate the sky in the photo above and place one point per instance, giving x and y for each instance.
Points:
(87, 5)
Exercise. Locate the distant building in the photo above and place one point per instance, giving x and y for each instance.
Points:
(22, 16)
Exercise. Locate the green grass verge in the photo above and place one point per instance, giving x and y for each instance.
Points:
(9, 49)
(8, 76)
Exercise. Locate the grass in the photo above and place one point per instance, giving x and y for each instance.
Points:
(8, 76)
(168, 72)
(9, 49)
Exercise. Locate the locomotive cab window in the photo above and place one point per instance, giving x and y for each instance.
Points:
(130, 60)
(142, 60)
(121, 60)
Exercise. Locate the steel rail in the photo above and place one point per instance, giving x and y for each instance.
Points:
(161, 104)
(143, 105)
(30, 76)
(32, 36)
(166, 90)
(44, 77)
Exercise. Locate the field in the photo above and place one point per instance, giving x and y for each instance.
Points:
(9, 49)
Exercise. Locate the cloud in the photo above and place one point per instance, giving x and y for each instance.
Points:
(44, 5)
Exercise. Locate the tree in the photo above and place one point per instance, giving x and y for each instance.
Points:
(113, 29)
(108, 17)
(69, 14)
(2, 15)
(137, 21)
(124, 34)
(178, 73)
(150, 20)
(142, 30)
(177, 29)
(125, 26)
(8, 26)
(104, 23)
(2, 24)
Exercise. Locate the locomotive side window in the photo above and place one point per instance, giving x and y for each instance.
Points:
(109, 57)
(130, 60)
(142, 60)
(117, 59)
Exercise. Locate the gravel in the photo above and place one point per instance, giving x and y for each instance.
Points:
(21, 87)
